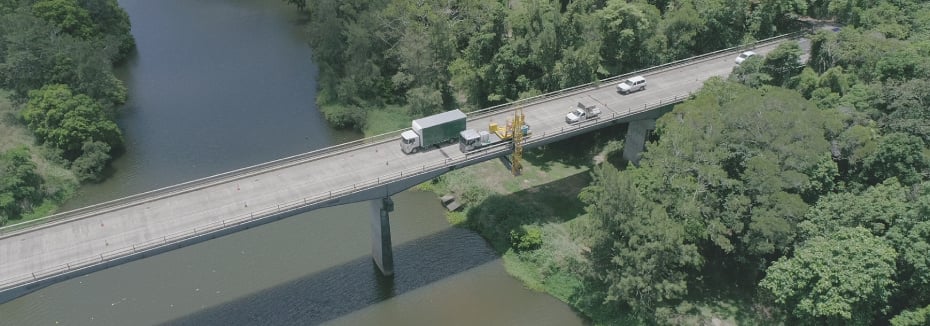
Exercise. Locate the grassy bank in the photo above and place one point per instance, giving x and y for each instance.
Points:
(388, 119)
(531, 219)
(59, 182)
(534, 221)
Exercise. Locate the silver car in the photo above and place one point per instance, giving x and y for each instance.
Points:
(632, 84)
(743, 56)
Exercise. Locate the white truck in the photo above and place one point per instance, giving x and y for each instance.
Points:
(582, 112)
(433, 130)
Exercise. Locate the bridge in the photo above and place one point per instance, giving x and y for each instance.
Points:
(39, 253)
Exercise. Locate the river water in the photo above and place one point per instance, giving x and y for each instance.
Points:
(222, 84)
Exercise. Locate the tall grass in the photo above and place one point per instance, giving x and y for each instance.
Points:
(385, 120)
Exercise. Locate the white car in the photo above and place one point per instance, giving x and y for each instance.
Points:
(632, 84)
(743, 56)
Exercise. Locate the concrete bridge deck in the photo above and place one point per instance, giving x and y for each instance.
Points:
(88, 239)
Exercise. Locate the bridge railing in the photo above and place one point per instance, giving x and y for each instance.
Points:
(651, 70)
(148, 196)
(331, 150)
(315, 199)
(321, 153)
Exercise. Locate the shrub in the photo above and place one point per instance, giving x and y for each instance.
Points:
(525, 238)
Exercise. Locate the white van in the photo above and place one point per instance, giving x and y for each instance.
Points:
(632, 84)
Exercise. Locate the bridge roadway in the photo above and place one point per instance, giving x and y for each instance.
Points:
(89, 239)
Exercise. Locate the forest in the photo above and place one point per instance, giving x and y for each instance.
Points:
(56, 60)
(801, 190)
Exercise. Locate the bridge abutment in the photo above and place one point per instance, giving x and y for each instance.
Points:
(635, 140)
(381, 251)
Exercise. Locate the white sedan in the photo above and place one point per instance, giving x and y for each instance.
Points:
(743, 56)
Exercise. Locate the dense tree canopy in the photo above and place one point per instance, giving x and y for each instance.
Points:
(473, 54)
(736, 162)
(65, 42)
(638, 253)
(66, 15)
(841, 279)
(786, 181)
(66, 121)
(57, 56)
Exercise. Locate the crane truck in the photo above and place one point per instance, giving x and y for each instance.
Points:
(448, 127)
(472, 139)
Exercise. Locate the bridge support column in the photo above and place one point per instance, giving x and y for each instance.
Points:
(635, 140)
(381, 250)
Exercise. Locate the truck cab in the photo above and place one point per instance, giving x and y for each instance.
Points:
(575, 116)
(472, 139)
(409, 142)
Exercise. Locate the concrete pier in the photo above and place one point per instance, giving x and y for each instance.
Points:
(635, 140)
(381, 250)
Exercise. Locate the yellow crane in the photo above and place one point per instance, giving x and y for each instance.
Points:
(518, 120)
(515, 130)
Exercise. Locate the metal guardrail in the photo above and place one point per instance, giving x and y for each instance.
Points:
(180, 188)
(651, 70)
(322, 153)
(296, 205)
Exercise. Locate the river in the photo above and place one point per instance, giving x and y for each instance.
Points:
(222, 84)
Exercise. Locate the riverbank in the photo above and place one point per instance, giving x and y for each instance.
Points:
(534, 222)
(59, 182)
(531, 220)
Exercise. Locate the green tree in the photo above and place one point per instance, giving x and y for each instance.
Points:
(897, 155)
(841, 279)
(67, 15)
(681, 27)
(638, 253)
(772, 17)
(917, 317)
(66, 121)
(910, 235)
(750, 73)
(30, 58)
(20, 184)
(783, 64)
(886, 18)
(629, 35)
(876, 209)
(905, 108)
(582, 38)
(424, 101)
(35, 56)
(111, 23)
(7, 6)
(578, 66)
(737, 167)
(94, 157)
(807, 82)
(726, 23)
(471, 73)
(856, 143)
